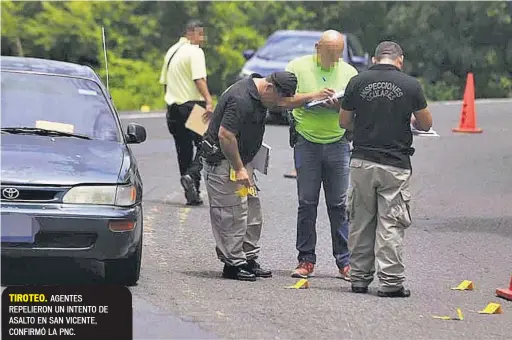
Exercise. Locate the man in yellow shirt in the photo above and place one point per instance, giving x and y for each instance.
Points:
(321, 150)
(184, 78)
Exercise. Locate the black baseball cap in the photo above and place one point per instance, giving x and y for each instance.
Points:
(285, 83)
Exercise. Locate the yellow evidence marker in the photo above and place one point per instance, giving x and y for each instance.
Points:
(144, 108)
(465, 285)
(492, 308)
(301, 284)
(459, 317)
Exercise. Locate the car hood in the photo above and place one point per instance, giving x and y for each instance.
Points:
(28, 159)
(265, 67)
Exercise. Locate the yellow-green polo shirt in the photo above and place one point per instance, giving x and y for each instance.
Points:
(319, 125)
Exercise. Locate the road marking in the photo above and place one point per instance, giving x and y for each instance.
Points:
(184, 214)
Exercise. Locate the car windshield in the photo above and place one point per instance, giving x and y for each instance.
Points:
(65, 104)
(288, 48)
(355, 45)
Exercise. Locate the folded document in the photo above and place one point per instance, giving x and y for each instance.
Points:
(261, 160)
(431, 132)
(314, 103)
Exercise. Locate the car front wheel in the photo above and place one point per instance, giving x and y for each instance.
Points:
(125, 272)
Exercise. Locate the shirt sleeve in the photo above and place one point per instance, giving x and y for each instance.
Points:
(163, 73)
(419, 100)
(232, 117)
(348, 102)
(198, 64)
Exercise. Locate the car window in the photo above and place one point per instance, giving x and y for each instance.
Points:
(355, 47)
(287, 48)
(57, 103)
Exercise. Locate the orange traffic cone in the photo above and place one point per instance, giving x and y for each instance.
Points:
(504, 292)
(467, 121)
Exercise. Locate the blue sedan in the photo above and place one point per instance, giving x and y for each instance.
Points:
(70, 184)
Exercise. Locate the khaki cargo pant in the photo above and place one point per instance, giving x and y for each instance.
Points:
(379, 214)
(236, 221)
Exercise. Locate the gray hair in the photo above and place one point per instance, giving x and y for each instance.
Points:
(388, 50)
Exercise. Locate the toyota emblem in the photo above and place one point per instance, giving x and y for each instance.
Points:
(10, 193)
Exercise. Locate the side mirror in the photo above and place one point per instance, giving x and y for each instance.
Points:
(135, 133)
(248, 54)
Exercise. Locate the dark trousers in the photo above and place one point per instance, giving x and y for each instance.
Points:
(185, 140)
(326, 164)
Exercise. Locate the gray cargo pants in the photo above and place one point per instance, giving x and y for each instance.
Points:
(379, 214)
(236, 221)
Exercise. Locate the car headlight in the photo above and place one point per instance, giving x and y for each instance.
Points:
(118, 195)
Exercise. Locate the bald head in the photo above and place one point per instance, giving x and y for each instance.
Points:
(330, 48)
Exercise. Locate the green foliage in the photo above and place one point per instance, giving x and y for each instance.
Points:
(443, 41)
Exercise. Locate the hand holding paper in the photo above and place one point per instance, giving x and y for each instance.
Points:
(196, 121)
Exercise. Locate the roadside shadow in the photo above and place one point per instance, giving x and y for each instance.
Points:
(49, 271)
(346, 289)
(176, 204)
(204, 274)
(288, 273)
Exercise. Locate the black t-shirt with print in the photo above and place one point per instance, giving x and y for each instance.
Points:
(383, 99)
(240, 111)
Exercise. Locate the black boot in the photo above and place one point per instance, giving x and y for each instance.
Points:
(255, 268)
(398, 293)
(237, 273)
(191, 192)
(360, 290)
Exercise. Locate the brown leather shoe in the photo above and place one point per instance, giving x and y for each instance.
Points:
(345, 273)
(303, 270)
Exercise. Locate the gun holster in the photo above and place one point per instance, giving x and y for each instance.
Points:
(293, 131)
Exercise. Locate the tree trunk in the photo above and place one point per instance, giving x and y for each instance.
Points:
(19, 47)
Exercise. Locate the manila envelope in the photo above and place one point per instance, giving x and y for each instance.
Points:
(195, 121)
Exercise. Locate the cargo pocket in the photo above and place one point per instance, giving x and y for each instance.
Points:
(350, 204)
(405, 219)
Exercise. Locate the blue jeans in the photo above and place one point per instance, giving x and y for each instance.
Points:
(327, 164)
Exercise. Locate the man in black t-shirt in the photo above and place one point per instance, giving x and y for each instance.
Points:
(378, 106)
(233, 138)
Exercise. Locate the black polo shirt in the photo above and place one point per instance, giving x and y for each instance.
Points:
(383, 99)
(240, 111)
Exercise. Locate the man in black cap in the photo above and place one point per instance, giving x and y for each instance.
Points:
(234, 137)
(378, 106)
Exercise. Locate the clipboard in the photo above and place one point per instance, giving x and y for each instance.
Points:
(315, 103)
(429, 133)
(195, 120)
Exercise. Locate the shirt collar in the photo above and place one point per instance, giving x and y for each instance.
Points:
(384, 67)
(184, 40)
(253, 90)
(317, 63)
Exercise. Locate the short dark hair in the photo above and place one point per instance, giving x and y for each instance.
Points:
(388, 49)
(193, 24)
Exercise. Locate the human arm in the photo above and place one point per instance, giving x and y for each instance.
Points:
(422, 118)
(229, 128)
(348, 105)
(198, 70)
(300, 99)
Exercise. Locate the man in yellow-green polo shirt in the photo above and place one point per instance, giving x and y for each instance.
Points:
(321, 150)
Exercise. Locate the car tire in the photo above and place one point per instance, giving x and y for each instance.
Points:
(125, 272)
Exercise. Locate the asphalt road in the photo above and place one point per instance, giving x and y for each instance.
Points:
(462, 189)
